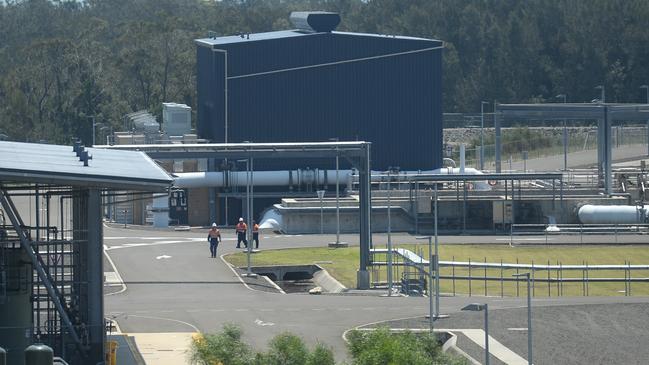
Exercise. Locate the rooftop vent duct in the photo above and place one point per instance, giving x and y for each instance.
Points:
(315, 21)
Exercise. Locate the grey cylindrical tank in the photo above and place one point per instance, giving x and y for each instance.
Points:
(3, 356)
(15, 309)
(39, 354)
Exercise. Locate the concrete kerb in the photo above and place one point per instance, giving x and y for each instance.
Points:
(450, 345)
(321, 278)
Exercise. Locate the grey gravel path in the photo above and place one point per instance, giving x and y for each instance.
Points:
(583, 334)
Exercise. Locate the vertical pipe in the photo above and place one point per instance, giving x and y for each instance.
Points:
(548, 267)
(502, 291)
(469, 276)
(565, 145)
(533, 281)
(95, 274)
(417, 206)
(629, 266)
(365, 204)
(486, 333)
(430, 285)
(561, 275)
(462, 158)
(37, 201)
(626, 281)
(517, 286)
(390, 279)
(436, 260)
(248, 215)
(482, 103)
(529, 322)
(608, 156)
(337, 200)
(497, 139)
(464, 197)
(453, 274)
(485, 276)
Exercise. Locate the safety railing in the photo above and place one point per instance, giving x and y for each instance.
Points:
(547, 279)
(572, 234)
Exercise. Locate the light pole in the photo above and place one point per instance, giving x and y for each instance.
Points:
(321, 194)
(529, 316)
(477, 307)
(603, 92)
(249, 207)
(565, 137)
(646, 87)
(482, 104)
(433, 264)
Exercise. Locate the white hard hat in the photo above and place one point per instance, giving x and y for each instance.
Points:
(213, 224)
(240, 219)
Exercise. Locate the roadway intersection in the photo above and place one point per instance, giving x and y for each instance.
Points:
(173, 286)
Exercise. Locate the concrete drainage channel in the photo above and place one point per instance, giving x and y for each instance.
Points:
(300, 278)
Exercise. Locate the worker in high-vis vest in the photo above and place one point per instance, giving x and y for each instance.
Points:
(214, 237)
(255, 233)
(241, 229)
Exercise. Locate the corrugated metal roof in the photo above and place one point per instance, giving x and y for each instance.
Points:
(59, 165)
(254, 37)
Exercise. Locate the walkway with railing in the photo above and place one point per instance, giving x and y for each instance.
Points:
(489, 278)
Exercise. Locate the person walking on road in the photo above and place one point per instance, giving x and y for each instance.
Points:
(242, 229)
(214, 237)
(255, 233)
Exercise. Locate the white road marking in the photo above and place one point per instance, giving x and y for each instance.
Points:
(261, 323)
(526, 239)
(496, 348)
(162, 257)
(516, 329)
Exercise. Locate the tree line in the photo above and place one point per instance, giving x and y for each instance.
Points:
(65, 65)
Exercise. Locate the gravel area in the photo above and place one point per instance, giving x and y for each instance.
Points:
(584, 334)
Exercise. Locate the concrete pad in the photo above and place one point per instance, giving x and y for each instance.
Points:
(164, 348)
(496, 348)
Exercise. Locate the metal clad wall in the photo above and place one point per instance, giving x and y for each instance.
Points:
(394, 102)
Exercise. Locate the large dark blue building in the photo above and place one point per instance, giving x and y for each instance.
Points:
(313, 84)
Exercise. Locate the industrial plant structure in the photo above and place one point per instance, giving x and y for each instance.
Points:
(315, 84)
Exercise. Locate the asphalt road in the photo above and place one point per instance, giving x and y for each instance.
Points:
(174, 286)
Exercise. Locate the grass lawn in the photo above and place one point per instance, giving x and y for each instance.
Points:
(342, 263)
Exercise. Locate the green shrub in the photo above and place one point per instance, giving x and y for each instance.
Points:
(381, 347)
(227, 348)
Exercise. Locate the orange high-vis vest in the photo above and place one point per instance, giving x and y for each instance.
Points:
(241, 227)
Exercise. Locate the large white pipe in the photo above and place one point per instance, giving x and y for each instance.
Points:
(301, 177)
(272, 219)
(612, 214)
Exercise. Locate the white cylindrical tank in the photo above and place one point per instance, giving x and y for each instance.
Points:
(612, 214)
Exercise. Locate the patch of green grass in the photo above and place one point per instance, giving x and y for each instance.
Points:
(342, 263)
